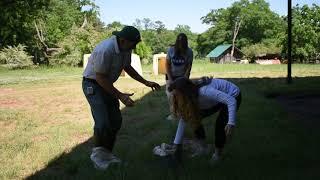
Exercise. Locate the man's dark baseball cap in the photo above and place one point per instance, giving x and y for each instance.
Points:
(129, 33)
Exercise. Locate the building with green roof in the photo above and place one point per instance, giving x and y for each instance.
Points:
(222, 54)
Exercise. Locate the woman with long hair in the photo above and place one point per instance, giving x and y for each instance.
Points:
(178, 63)
(193, 101)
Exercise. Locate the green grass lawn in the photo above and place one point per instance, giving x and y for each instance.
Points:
(46, 127)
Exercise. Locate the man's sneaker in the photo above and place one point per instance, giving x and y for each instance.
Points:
(102, 158)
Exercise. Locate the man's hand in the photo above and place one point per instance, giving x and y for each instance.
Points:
(126, 100)
(153, 85)
(229, 130)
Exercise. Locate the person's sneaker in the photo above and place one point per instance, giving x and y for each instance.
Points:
(102, 158)
(215, 159)
(164, 149)
(169, 148)
(159, 151)
(171, 117)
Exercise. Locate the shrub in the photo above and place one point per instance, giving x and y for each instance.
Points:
(144, 51)
(15, 57)
(81, 41)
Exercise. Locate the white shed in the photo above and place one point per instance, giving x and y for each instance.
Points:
(159, 62)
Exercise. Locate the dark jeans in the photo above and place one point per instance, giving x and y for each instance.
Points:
(106, 113)
(221, 122)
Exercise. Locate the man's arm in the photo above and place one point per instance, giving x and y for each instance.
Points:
(108, 87)
(135, 75)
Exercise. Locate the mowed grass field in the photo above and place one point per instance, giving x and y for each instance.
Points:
(46, 127)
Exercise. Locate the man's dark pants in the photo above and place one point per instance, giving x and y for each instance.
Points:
(106, 113)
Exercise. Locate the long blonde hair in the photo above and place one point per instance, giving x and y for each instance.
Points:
(185, 102)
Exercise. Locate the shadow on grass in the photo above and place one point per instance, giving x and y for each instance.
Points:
(267, 145)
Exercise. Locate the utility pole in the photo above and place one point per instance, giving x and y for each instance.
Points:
(289, 78)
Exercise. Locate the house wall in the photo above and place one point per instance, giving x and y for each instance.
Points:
(227, 58)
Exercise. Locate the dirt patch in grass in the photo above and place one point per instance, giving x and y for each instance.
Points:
(6, 90)
(10, 103)
(304, 107)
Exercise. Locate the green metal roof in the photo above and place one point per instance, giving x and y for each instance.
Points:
(218, 50)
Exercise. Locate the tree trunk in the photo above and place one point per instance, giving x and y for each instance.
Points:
(44, 47)
(85, 22)
(235, 33)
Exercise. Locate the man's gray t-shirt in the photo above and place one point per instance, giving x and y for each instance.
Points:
(179, 63)
(106, 58)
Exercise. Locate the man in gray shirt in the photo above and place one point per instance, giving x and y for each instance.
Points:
(104, 67)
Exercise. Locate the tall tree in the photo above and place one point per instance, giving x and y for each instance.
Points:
(55, 26)
(41, 24)
(159, 27)
(58, 26)
(16, 20)
(305, 33)
(148, 24)
(244, 23)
